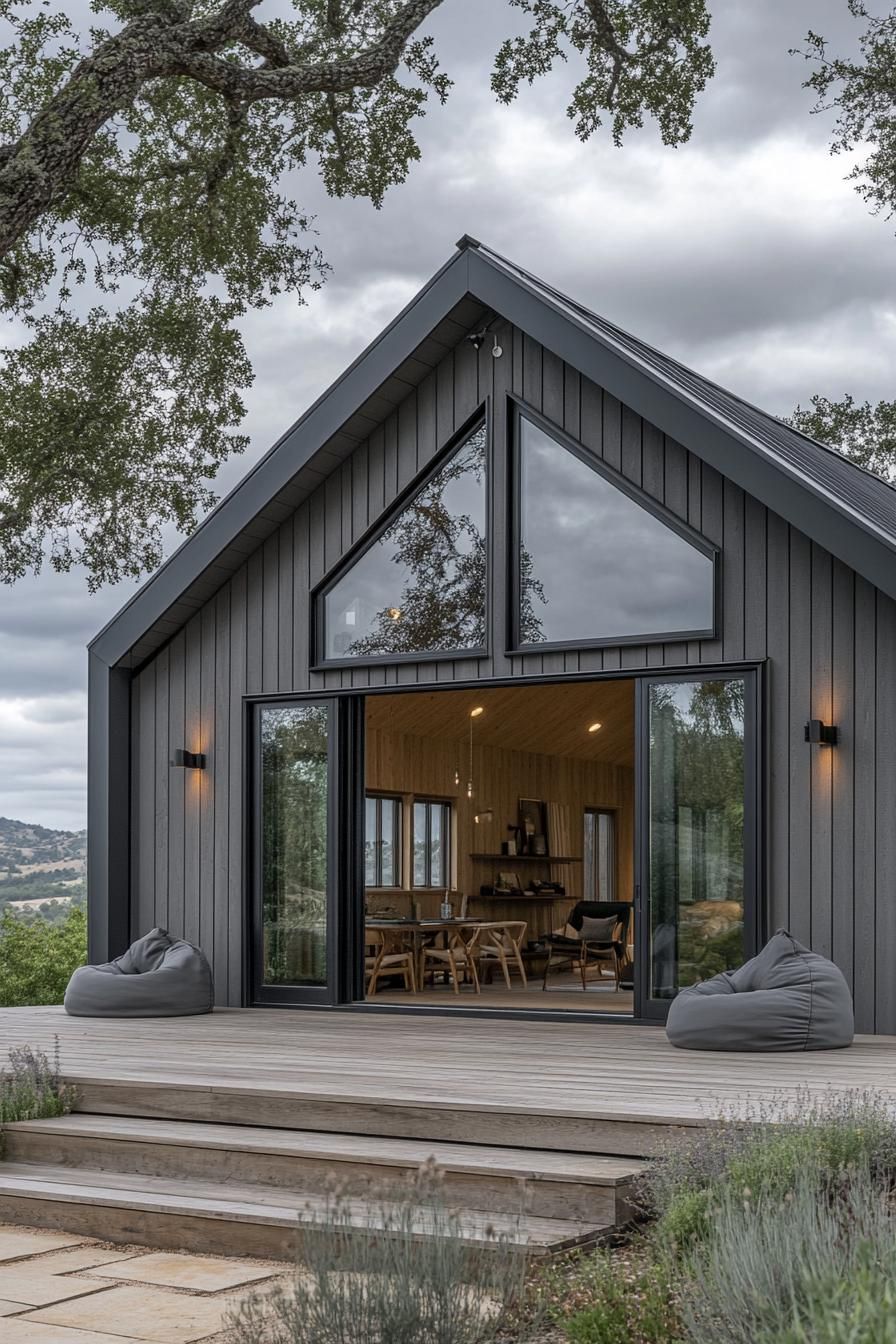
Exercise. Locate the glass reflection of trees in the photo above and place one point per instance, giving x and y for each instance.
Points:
(294, 843)
(696, 831)
(439, 550)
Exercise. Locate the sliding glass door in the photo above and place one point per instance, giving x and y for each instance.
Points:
(294, 917)
(698, 831)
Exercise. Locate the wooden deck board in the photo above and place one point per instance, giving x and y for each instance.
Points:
(591, 1071)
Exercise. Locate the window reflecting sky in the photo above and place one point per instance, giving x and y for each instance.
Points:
(421, 586)
(595, 565)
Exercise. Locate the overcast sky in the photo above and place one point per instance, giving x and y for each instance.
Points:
(744, 254)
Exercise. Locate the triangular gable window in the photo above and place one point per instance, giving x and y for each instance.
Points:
(595, 565)
(420, 587)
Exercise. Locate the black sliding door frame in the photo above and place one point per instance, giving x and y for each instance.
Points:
(647, 1006)
(345, 829)
(345, 861)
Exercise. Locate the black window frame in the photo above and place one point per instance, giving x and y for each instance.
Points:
(517, 410)
(447, 810)
(319, 662)
(378, 797)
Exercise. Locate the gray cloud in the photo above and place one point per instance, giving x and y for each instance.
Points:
(744, 253)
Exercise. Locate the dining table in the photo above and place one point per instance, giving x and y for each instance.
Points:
(422, 928)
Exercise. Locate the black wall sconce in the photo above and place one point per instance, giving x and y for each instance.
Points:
(190, 760)
(821, 734)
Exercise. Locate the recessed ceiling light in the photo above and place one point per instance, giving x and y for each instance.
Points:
(594, 727)
(474, 713)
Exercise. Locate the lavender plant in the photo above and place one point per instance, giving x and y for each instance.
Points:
(31, 1086)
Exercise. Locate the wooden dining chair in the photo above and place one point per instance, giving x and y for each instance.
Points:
(389, 955)
(457, 957)
(502, 942)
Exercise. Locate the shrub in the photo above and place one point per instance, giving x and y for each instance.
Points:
(626, 1303)
(31, 1088)
(827, 1136)
(417, 1282)
(776, 1269)
(37, 957)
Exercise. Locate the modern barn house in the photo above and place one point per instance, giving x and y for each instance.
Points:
(516, 582)
(529, 679)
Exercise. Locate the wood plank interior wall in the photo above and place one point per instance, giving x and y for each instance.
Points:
(398, 763)
(828, 636)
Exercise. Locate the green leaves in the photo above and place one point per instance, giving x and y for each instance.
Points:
(861, 93)
(864, 433)
(642, 58)
(150, 170)
(110, 424)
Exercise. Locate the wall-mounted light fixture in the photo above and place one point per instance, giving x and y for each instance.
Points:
(190, 760)
(821, 734)
(487, 815)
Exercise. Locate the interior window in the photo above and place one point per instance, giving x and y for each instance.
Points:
(593, 563)
(600, 855)
(382, 842)
(420, 587)
(432, 842)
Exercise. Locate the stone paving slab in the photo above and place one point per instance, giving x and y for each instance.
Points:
(143, 1313)
(195, 1273)
(72, 1259)
(37, 1332)
(15, 1243)
(34, 1284)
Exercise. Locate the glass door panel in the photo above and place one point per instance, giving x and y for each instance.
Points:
(700, 819)
(293, 873)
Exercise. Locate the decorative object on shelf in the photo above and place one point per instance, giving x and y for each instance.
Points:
(508, 882)
(508, 847)
(533, 824)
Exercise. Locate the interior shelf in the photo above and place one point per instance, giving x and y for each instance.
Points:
(511, 859)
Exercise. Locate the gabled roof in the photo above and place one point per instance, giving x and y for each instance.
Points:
(846, 509)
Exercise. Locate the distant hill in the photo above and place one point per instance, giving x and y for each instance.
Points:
(39, 866)
(27, 848)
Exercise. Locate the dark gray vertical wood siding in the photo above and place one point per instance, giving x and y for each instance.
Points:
(828, 638)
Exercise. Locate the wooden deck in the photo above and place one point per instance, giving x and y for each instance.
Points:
(224, 1133)
(436, 1076)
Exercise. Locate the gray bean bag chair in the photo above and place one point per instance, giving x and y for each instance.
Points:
(158, 976)
(787, 998)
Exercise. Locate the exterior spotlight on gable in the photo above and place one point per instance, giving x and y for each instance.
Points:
(821, 734)
(476, 338)
(190, 760)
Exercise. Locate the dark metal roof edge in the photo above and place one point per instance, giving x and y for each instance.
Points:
(826, 518)
(588, 317)
(563, 326)
(285, 458)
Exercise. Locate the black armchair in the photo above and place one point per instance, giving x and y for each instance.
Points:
(580, 949)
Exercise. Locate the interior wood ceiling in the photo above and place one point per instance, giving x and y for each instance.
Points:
(551, 720)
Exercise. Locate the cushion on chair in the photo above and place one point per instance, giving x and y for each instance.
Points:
(158, 976)
(598, 930)
(786, 998)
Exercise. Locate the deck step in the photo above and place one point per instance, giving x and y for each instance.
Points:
(232, 1219)
(465, 1119)
(476, 1176)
